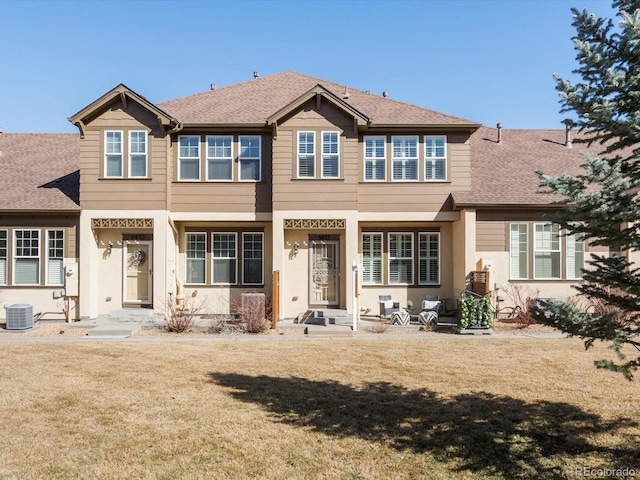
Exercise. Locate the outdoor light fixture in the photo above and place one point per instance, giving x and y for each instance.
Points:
(109, 247)
(296, 247)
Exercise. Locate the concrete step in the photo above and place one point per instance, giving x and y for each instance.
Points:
(325, 316)
(328, 331)
(113, 330)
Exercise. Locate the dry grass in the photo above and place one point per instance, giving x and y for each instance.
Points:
(274, 408)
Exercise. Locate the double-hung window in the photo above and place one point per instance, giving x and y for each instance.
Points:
(3, 257)
(189, 158)
(137, 153)
(113, 153)
(435, 157)
(250, 158)
(405, 158)
(375, 159)
(253, 258)
(219, 158)
(575, 255)
(429, 258)
(55, 257)
(196, 256)
(546, 251)
(26, 257)
(306, 154)
(372, 258)
(330, 155)
(519, 251)
(225, 258)
(401, 258)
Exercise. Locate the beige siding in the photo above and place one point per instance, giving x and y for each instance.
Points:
(290, 193)
(225, 197)
(98, 193)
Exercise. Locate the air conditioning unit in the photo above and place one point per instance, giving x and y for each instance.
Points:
(19, 316)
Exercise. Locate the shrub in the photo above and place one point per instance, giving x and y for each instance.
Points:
(254, 313)
(522, 299)
(180, 316)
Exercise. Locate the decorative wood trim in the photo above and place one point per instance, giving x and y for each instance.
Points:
(121, 223)
(318, 224)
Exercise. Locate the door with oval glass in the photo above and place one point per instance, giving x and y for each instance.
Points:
(325, 273)
(137, 272)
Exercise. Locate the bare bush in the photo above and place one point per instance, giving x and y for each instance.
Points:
(379, 327)
(221, 324)
(181, 315)
(522, 298)
(254, 313)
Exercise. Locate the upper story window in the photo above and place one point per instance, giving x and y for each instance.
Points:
(435, 157)
(113, 153)
(189, 158)
(3, 257)
(137, 153)
(405, 158)
(250, 158)
(219, 158)
(375, 159)
(306, 154)
(330, 155)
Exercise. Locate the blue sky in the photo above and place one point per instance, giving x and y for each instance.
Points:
(487, 61)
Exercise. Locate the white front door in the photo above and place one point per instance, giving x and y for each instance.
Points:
(137, 272)
(324, 271)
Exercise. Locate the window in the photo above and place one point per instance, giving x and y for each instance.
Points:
(401, 258)
(575, 256)
(55, 257)
(405, 158)
(113, 153)
(137, 153)
(3, 257)
(250, 158)
(435, 157)
(330, 155)
(374, 159)
(27, 257)
(519, 252)
(372, 258)
(429, 258)
(252, 255)
(546, 251)
(219, 158)
(189, 158)
(196, 252)
(224, 258)
(306, 155)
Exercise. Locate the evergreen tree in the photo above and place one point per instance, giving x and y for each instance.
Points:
(602, 203)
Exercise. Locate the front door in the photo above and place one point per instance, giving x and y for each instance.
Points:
(325, 273)
(137, 272)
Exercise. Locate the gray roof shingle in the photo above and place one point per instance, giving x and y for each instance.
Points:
(39, 172)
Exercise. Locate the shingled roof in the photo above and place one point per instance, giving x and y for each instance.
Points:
(254, 101)
(504, 174)
(40, 172)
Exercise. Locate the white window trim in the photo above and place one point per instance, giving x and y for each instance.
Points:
(213, 258)
(298, 154)
(146, 154)
(190, 158)
(244, 282)
(376, 159)
(105, 154)
(259, 158)
(401, 159)
(528, 255)
(434, 158)
(381, 236)
(48, 258)
(412, 258)
(322, 154)
(186, 258)
(559, 251)
(437, 234)
(5, 280)
(15, 256)
(230, 159)
(574, 238)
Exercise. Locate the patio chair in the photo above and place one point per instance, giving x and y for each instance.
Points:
(387, 306)
(431, 307)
